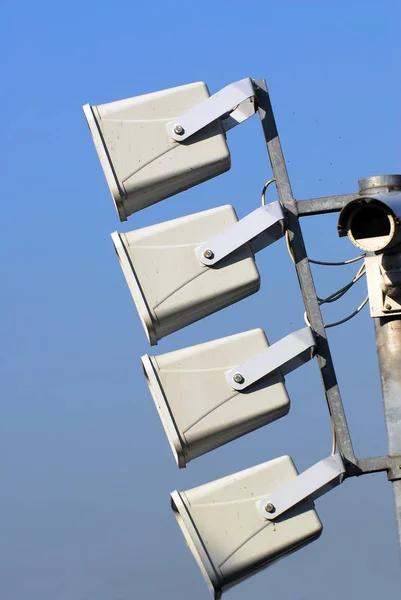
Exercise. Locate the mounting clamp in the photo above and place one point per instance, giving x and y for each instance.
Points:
(394, 469)
(383, 274)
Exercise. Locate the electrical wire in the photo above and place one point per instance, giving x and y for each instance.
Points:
(290, 252)
(333, 429)
(339, 293)
(342, 291)
(331, 298)
(348, 318)
(337, 264)
(321, 262)
(334, 437)
(360, 307)
(265, 188)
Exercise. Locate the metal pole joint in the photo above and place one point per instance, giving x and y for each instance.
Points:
(394, 472)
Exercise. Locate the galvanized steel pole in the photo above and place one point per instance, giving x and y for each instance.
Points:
(388, 341)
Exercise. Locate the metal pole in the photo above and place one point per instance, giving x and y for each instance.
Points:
(388, 340)
(314, 206)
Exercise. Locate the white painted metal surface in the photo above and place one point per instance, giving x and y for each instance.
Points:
(265, 219)
(170, 286)
(198, 408)
(313, 482)
(384, 284)
(372, 222)
(227, 535)
(140, 160)
(286, 355)
(212, 109)
(244, 111)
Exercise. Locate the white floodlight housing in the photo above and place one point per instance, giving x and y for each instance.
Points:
(140, 159)
(372, 221)
(199, 409)
(227, 534)
(212, 393)
(383, 274)
(170, 286)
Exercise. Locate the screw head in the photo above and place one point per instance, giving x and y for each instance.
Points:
(208, 253)
(238, 378)
(270, 508)
(179, 130)
(388, 306)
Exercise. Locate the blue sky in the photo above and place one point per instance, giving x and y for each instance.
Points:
(86, 470)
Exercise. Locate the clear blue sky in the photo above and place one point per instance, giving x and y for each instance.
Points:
(85, 468)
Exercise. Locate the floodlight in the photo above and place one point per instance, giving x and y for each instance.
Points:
(156, 145)
(177, 277)
(170, 286)
(229, 537)
(372, 222)
(212, 393)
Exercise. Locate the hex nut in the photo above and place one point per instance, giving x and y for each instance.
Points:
(208, 254)
(179, 130)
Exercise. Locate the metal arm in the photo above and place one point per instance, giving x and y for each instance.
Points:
(230, 101)
(314, 482)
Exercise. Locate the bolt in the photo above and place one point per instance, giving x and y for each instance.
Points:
(208, 254)
(179, 130)
(388, 306)
(238, 378)
(270, 508)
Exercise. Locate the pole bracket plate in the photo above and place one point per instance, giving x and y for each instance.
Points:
(383, 274)
(394, 471)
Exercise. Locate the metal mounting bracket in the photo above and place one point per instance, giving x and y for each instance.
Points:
(313, 482)
(394, 471)
(383, 274)
(268, 219)
(235, 101)
(287, 354)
